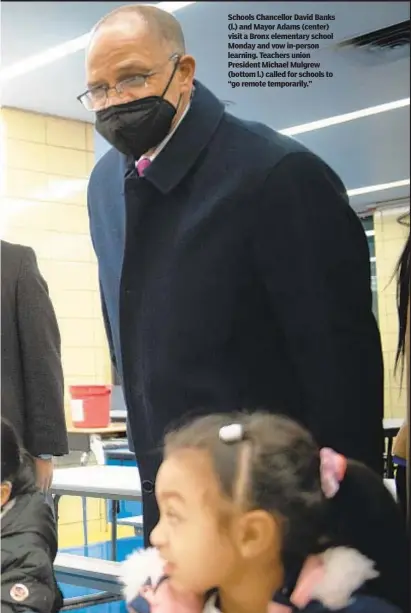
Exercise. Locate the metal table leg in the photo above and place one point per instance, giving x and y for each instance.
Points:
(114, 511)
(85, 527)
(83, 462)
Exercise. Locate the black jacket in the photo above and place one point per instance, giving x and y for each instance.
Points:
(28, 550)
(32, 390)
(235, 274)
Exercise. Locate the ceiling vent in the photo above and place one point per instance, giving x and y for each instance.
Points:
(380, 46)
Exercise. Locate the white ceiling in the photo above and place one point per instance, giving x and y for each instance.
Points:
(368, 151)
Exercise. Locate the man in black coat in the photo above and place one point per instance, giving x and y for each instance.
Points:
(32, 387)
(233, 271)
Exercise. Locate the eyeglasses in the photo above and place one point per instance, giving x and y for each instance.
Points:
(95, 99)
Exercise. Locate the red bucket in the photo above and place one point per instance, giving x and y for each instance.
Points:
(90, 406)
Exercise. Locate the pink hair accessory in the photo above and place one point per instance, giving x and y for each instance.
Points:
(332, 471)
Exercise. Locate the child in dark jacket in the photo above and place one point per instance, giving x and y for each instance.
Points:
(28, 535)
(254, 518)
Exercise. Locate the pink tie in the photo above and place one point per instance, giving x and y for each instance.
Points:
(142, 166)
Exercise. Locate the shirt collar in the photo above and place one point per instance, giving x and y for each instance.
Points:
(194, 134)
(169, 136)
(211, 605)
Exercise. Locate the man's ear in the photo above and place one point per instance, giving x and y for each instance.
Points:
(257, 532)
(187, 66)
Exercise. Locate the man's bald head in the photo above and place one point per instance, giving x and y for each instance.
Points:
(138, 51)
(161, 25)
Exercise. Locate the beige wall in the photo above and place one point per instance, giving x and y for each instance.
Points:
(389, 241)
(45, 163)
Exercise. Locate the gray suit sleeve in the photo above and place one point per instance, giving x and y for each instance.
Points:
(40, 350)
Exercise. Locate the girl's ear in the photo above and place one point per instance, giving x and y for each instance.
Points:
(258, 533)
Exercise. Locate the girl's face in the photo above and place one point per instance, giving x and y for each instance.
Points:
(192, 537)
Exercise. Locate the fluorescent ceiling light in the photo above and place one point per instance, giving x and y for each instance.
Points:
(68, 48)
(171, 7)
(337, 119)
(377, 188)
(45, 57)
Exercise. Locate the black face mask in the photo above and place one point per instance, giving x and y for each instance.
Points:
(138, 126)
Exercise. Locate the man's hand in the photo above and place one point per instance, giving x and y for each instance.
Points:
(44, 473)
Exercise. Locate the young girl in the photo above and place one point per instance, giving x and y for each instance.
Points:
(28, 535)
(254, 518)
